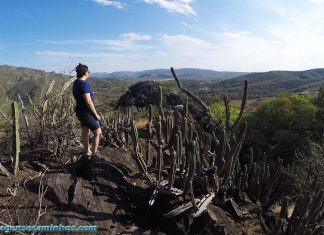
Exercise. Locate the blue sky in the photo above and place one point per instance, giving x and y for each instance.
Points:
(225, 35)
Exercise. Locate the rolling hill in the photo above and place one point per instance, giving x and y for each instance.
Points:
(271, 83)
(19, 80)
(166, 74)
(16, 80)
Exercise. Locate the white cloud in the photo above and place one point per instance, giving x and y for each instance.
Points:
(65, 42)
(66, 54)
(125, 42)
(100, 61)
(288, 48)
(177, 6)
(56, 54)
(129, 41)
(130, 37)
(181, 40)
(243, 51)
(231, 51)
(184, 24)
(116, 4)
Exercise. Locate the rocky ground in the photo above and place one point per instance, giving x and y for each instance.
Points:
(110, 193)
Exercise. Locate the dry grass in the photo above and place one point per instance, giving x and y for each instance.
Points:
(252, 227)
(141, 122)
(277, 208)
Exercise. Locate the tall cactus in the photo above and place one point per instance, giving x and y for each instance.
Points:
(230, 159)
(173, 167)
(192, 168)
(16, 137)
(159, 163)
(160, 102)
(138, 155)
(188, 93)
(244, 98)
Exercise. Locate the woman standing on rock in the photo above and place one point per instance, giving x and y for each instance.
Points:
(86, 110)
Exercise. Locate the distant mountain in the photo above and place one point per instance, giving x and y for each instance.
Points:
(271, 83)
(166, 73)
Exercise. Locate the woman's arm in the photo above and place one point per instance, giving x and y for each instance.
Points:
(87, 98)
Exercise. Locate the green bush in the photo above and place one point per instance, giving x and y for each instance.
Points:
(318, 101)
(218, 112)
(282, 126)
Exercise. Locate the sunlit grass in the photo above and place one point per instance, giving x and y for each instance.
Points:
(141, 122)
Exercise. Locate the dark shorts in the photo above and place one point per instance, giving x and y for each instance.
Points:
(88, 120)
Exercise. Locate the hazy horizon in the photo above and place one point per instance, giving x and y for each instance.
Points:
(108, 72)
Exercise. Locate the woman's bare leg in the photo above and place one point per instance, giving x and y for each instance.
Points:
(96, 138)
(85, 140)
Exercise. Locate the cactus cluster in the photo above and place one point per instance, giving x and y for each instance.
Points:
(306, 218)
(178, 140)
(261, 183)
(52, 120)
(194, 172)
(115, 130)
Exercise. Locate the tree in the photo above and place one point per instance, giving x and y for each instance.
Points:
(318, 101)
(282, 126)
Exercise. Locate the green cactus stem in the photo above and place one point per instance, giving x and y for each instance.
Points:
(138, 155)
(16, 137)
(159, 163)
(192, 169)
(244, 98)
(185, 108)
(231, 158)
(173, 168)
(227, 112)
(188, 93)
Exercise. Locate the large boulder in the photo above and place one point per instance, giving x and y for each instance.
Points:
(58, 186)
(145, 93)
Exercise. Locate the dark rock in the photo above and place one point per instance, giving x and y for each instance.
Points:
(28, 212)
(268, 219)
(144, 93)
(172, 99)
(81, 197)
(198, 114)
(164, 204)
(5, 181)
(57, 184)
(233, 209)
(214, 221)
